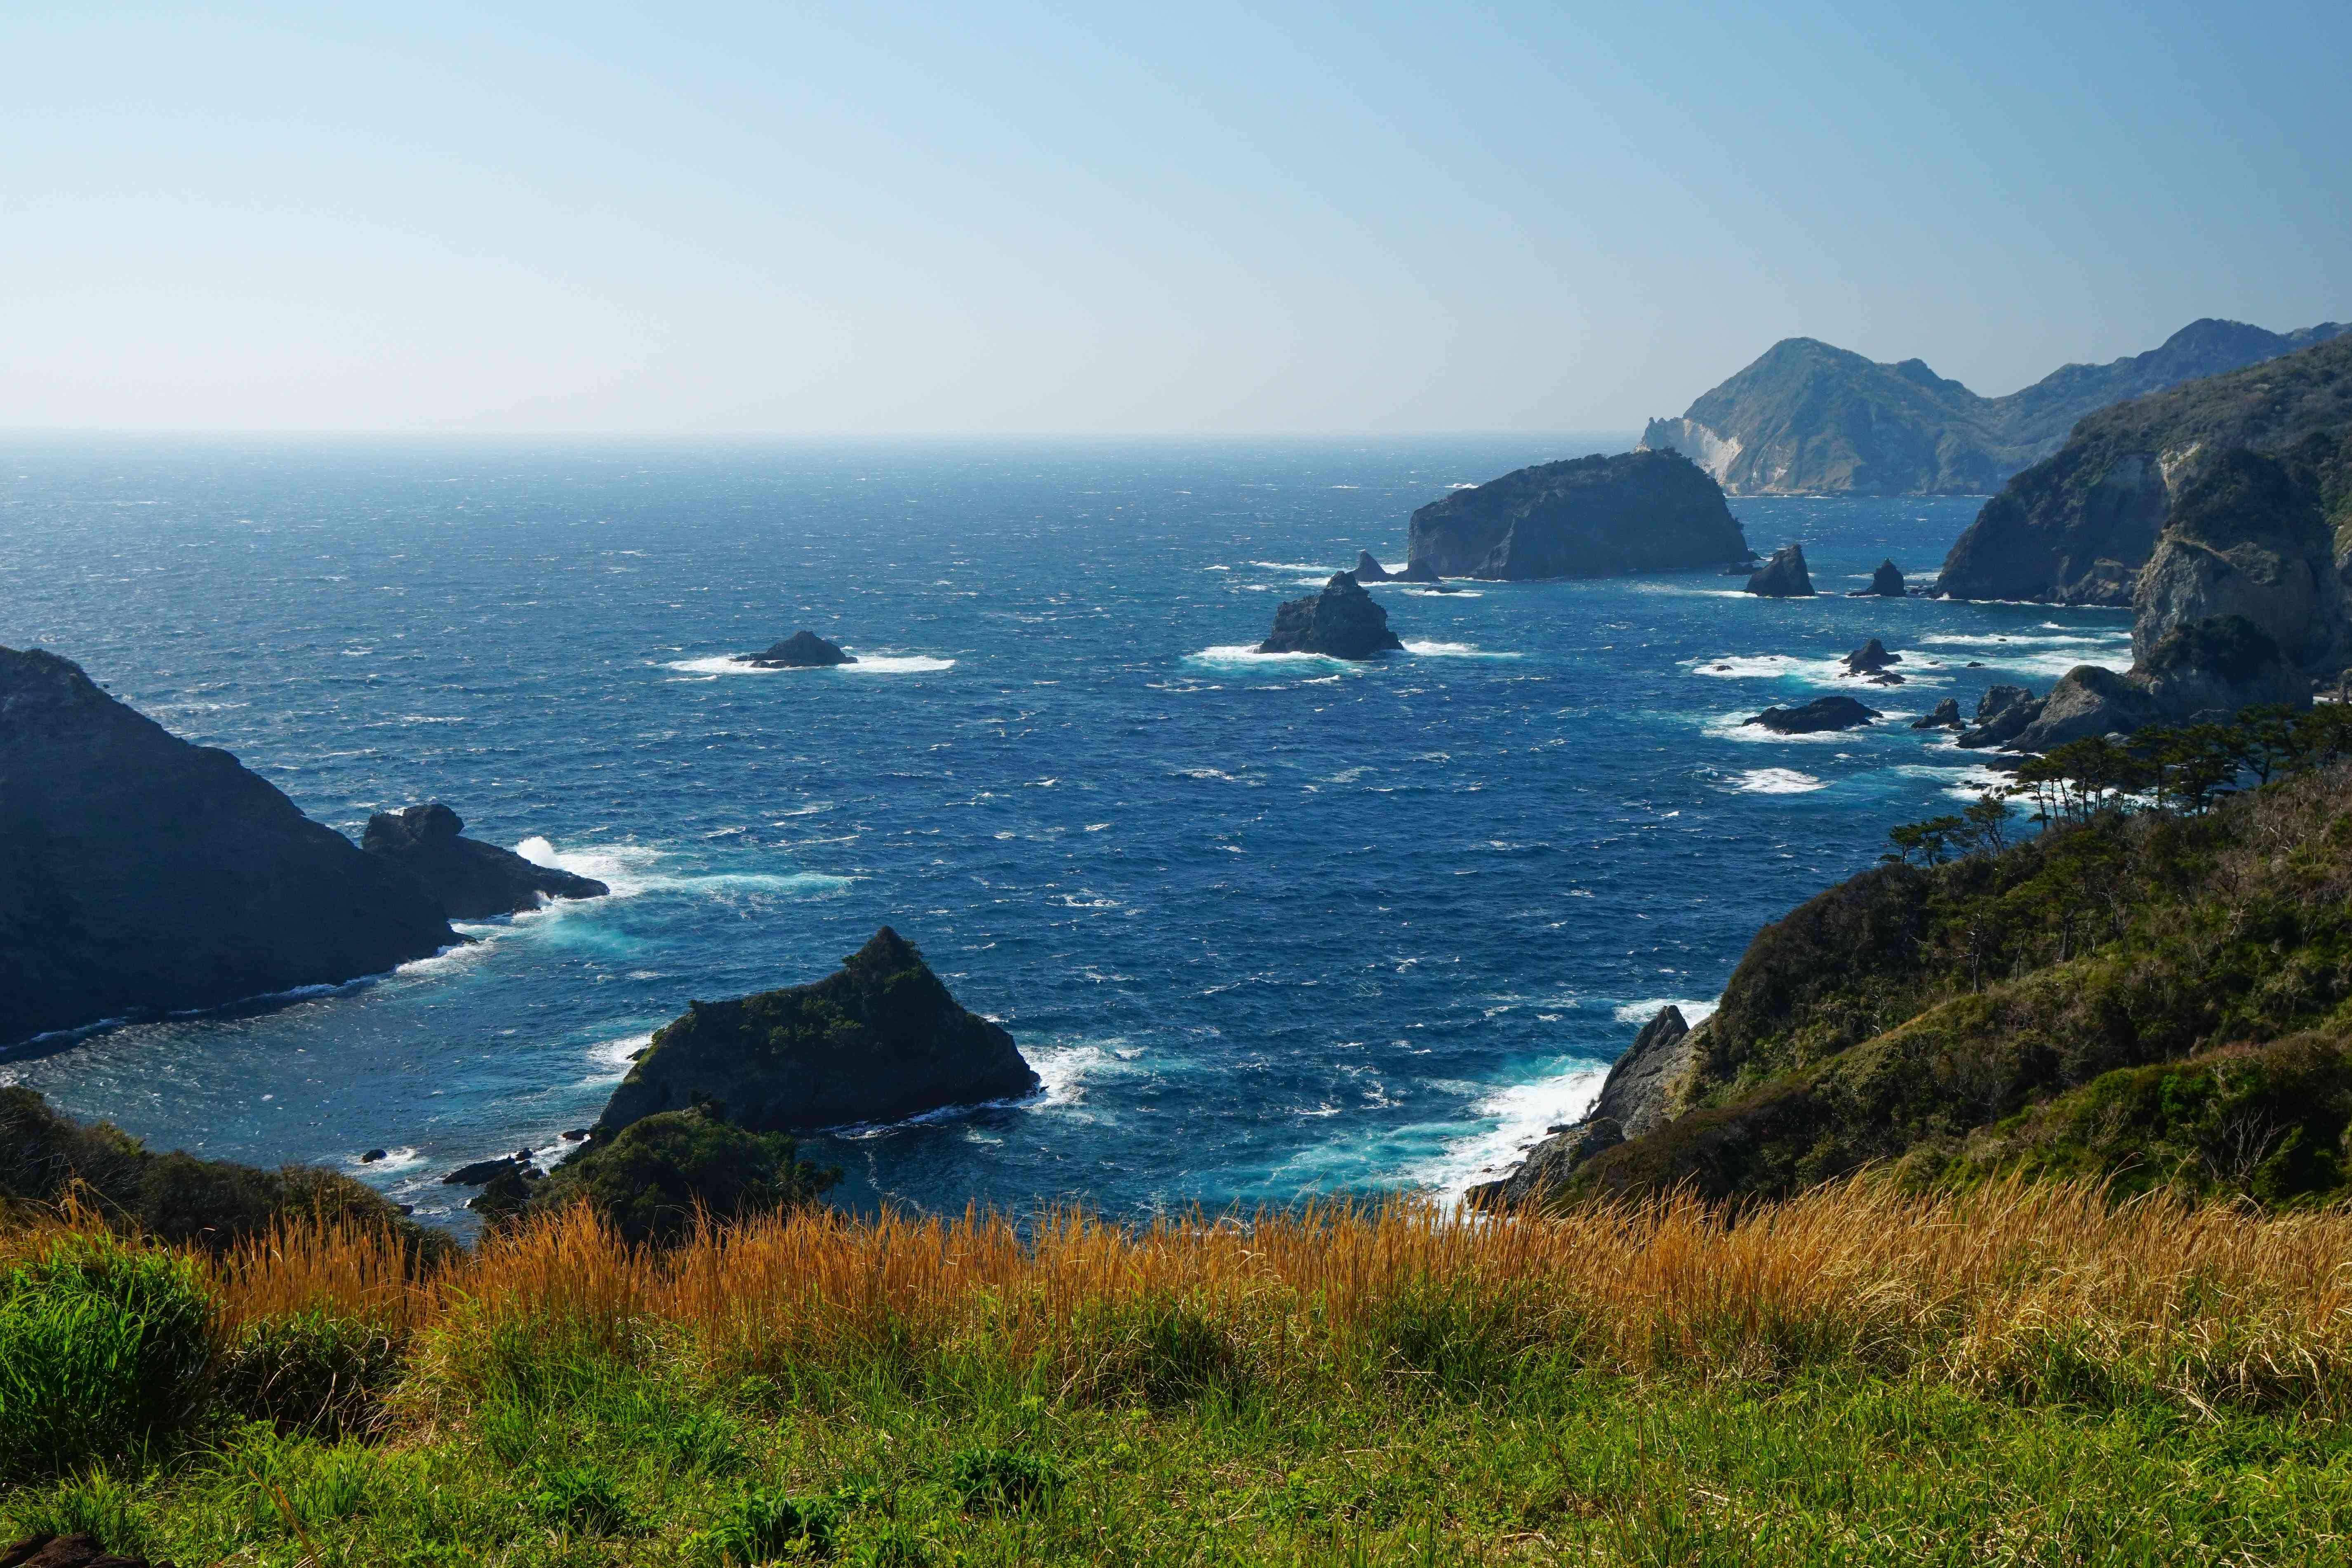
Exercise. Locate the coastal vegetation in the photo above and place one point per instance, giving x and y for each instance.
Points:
(2033, 1372)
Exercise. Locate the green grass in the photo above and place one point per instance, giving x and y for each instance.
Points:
(593, 1460)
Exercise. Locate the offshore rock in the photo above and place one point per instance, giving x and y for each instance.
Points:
(2002, 713)
(474, 880)
(139, 874)
(801, 650)
(1945, 715)
(481, 1173)
(1886, 583)
(1420, 571)
(1783, 576)
(1811, 718)
(1870, 658)
(1591, 516)
(1368, 570)
(879, 1040)
(1341, 622)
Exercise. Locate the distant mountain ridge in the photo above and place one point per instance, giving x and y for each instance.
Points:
(1809, 418)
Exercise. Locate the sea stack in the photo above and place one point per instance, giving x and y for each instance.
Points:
(1340, 622)
(1783, 576)
(139, 874)
(879, 1040)
(474, 880)
(1369, 569)
(801, 650)
(1870, 658)
(1886, 583)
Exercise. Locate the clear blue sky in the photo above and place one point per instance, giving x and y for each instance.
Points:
(1099, 217)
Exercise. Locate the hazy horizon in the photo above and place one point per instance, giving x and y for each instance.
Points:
(523, 221)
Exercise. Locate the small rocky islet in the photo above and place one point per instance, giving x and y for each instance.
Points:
(801, 650)
(1340, 622)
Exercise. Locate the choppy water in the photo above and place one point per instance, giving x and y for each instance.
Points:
(1267, 926)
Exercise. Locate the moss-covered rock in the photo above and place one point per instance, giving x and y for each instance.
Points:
(653, 1178)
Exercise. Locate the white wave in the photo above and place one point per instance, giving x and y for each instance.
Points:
(896, 664)
(1777, 781)
(1995, 639)
(1061, 1072)
(865, 664)
(623, 868)
(1452, 650)
(1245, 656)
(1768, 666)
(1694, 1013)
(1969, 783)
(616, 1058)
(1514, 1117)
(626, 870)
(394, 1161)
(1293, 566)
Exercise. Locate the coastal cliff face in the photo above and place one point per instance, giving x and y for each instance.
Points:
(1589, 517)
(2078, 527)
(879, 1040)
(139, 874)
(1810, 418)
(474, 880)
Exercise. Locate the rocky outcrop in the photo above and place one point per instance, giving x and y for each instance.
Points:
(1870, 658)
(139, 874)
(2003, 715)
(43, 1549)
(1784, 575)
(1368, 570)
(1420, 571)
(1886, 583)
(660, 1178)
(474, 880)
(801, 650)
(2215, 666)
(1810, 718)
(1340, 622)
(1591, 516)
(2078, 527)
(1810, 418)
(1945, 715)
(1643, 1093)
(880, 1040)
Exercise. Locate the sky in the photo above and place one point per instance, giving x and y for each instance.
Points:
(1111, 219)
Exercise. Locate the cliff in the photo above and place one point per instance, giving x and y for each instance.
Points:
(879, 1040)
(139, 874)
(2077, 527)
(1591, 517)
(1808, 418)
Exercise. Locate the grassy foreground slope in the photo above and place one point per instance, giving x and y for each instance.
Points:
(2157, 999)
(2016, 1374)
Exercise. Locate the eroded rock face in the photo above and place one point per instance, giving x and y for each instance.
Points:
(2251, 538)
(801, 650)
(1784, 575)
(1591, 516)
(1340, 622)
(474, 880)
(1886, 583)
(1870, 658)
(879, 1040)
(1642, 1092)
(139, 874)
(2003, 715)
(1945, 715)
(1810, 718)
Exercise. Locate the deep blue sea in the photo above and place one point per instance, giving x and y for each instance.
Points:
(1267, 926)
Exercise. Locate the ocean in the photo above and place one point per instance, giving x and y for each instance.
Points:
(1268, 927)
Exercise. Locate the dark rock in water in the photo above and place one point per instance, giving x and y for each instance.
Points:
(139, 874)
(483, 1171)
(1945, 715)
(1593, 517)
(504, 1196)
(653, 1179)
(1883, 678)
(1870, 657)
(1340, 622)
(43, 1549)
(1549, 1164)
(1642, 1094)
(880, 1040)
(1886, 583)
(574, 1135)
(175, 1199)
(2002, 713)
(373, 1155)
(1420, 571)
(474, 880)
(801, 650)
(1783, 576)
(1820, 713)
(1369, 569)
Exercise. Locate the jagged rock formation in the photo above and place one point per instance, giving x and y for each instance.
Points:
(1886, 583)
(1642, 1094)
(2003, 715)
(1870, 658)
(801, 650)
(1809, 718)
(1369, 569)
(1809, 418)
(1420, 571)
(1340, 622)
(1591, 517)
(1783, 576)
(879, 1040)
(2078, 527)
(1945, 715)
(474, 880)
(139, 874)
(2214, 666)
